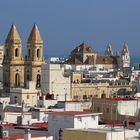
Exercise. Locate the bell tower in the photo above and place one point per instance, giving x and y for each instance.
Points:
(125, 56)
(34, 58)
(13, 63)
(108, 51)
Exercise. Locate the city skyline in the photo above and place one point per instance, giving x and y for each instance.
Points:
(65, 25)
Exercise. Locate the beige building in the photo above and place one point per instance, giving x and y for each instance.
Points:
(116, 109)
(84, 54)
(99, 134)
(88, 90)
(17, 70)
(82, 88)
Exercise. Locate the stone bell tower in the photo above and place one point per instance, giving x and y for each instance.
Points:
(108, 51)
(34, 58)
(13, 63)
(125, 56)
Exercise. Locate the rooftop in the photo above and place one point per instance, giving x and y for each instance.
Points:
(74, 113)
(102, 129)
(21, 136)
(114, 99)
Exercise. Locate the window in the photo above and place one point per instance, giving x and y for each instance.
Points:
(85, 96)
(28, 96)
(107, 110)
(16, 52)
(103, 95)
(28, 77)
(98, 109)
(15, 99)
(38, 53)
(17, 80)
(38, 80)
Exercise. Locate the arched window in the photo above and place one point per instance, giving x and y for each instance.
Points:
(38, 80)
(28, 77)
(16, 52)
(28, 96)
(29, 52)
(103, 95)
(15, 99)
(38, 53)
(17, 80)
(6, 77)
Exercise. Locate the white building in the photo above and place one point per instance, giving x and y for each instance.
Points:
(71, 119)
(70, 105)
(53, 81)
(28, 95)
(17, 117)
(27, 135)
(74, 105)
(43, 102)
(129, 107)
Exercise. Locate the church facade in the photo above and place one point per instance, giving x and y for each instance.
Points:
(17, 69)
(86, 55)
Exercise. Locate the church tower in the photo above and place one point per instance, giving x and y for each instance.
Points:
(108, 51)
(13, 63)
(125, 56)
(34, 58)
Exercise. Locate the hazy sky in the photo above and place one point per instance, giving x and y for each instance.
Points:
(64, 24)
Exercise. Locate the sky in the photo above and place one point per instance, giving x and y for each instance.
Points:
(65, 24)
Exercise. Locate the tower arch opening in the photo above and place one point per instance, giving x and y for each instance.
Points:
(38, 53)
(38, 78)
(17, 80)
(16, 52)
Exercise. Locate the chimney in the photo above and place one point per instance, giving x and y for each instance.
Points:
(27, 134)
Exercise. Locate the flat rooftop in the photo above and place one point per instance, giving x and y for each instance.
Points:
(74, 113)
(114, 99)
(102, 129)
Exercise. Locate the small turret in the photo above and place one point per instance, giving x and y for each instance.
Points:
(108, 50)
(125, 49)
